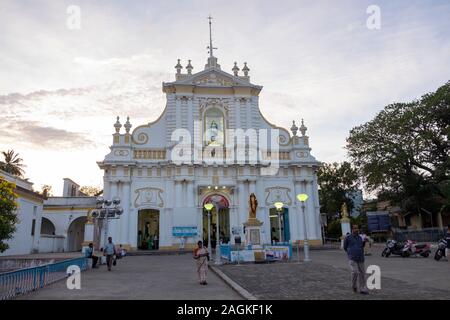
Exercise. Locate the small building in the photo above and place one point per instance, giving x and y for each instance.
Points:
(407, 220)
(26, 238)
(64, 219)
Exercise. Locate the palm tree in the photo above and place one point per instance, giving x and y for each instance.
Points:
(12, 164)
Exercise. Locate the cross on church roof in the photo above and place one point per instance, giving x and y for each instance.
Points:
(210, 47)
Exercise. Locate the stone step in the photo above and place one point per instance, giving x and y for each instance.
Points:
(157, 252)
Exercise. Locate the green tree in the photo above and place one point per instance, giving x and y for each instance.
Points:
(46, 190)
(337, 181)
(8, 217)
(12, 163)
(91, 191)
(403, 154)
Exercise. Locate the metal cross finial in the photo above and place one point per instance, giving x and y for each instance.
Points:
(210, 47)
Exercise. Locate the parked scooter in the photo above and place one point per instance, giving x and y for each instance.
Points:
(440, 252)
(393, 247)
(413, 249)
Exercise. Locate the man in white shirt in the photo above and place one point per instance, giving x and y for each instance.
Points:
(109, 251)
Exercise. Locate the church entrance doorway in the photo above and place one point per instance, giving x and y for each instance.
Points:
(148, 229)
(279, 225)
(222, 218)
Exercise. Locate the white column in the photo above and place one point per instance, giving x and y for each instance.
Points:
(248, 110)
(298, 212)
(200, 234)
(190, 115)
(88, 234)
(315, 193)
(177, 112)
(106, 188)
(112, 224)
(132, 231)
(237, 197)
(243, 215)
(191, 203)
(178, 193)
(233, 222)
(312, 221)
(237, 111)
(125, 217)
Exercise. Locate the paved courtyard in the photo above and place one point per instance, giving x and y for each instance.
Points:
(167, 277)
(328, 277)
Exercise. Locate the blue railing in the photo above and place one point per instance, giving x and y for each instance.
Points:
(15, 283)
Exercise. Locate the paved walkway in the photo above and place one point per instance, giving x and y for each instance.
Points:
(143, 277)
(328, 277)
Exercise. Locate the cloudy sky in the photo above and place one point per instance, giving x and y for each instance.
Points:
(62, 87)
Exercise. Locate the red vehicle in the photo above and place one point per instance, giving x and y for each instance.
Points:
(413, 249)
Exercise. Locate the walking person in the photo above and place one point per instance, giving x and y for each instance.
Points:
(109, 251)
(354, 246)
(447, 237)
(201, 254)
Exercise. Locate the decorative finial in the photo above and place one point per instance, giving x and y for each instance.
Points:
(178, 67)
(189, 67)
(117, 125)
(245, 69)
(127, 125)
(235, 69)
(294, 128)
(303, 128)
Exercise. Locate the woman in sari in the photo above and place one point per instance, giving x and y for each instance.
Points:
(201, 254)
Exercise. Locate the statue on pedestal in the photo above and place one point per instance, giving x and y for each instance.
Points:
(344, 212)
(253, 204)
(345, 223)
(253, 225)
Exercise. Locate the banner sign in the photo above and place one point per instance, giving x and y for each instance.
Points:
(244, 256)
(277, 253)
(189, 231)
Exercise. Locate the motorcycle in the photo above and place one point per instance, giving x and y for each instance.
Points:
(440, 252)
(412, 248)
(393, 247)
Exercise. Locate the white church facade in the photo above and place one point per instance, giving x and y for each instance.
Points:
(210, 144)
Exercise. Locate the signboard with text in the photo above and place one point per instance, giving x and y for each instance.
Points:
(186, 231)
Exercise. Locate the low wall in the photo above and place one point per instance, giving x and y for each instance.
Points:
(51, 243)
(22, 263)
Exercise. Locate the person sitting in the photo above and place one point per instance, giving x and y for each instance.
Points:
(89, 253)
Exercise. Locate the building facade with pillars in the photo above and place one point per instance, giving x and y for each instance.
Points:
(211, 143)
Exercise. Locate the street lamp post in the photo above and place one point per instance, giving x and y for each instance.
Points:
(302, 198)
(279, 205)
(208, 207)
(217, 235)
(106, 210)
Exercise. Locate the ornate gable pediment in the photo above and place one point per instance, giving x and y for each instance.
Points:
(213, 77)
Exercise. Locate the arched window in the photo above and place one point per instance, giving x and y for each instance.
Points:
(47, 227)
(214, 128)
